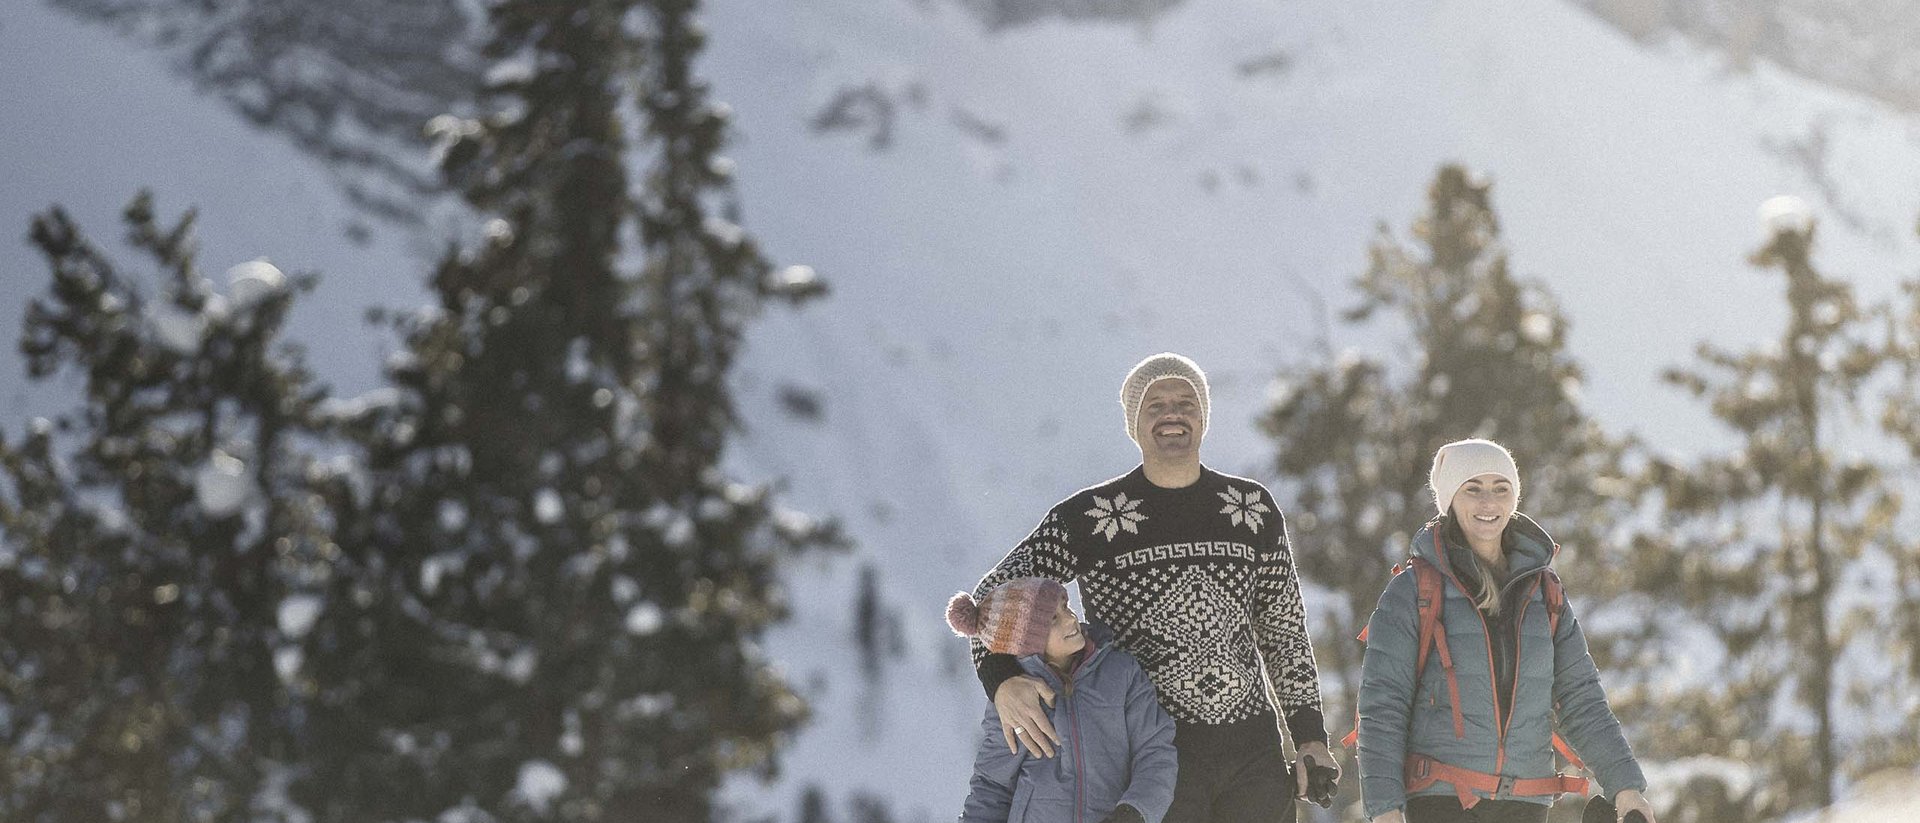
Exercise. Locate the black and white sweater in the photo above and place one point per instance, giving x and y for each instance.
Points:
(1197, 583)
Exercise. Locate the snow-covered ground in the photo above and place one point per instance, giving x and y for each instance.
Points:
(1056, 201)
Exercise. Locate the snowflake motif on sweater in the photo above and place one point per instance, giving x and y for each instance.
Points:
(1205, 597)
(1245, 507)
(1111, 516)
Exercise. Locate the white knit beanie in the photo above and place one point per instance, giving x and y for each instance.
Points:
(1164, 364)
(1462, 460)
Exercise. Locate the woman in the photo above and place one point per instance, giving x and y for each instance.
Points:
(1469, 736)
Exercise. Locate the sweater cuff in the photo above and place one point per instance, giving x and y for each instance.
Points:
(996, 669)
(1307, 726)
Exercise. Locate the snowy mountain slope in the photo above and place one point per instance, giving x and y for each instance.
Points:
(989, 294)
(1859, 45)
(1056, 200)
(92, 120)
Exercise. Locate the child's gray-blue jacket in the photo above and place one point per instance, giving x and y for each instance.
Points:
(1405, 712)
(1116, 747)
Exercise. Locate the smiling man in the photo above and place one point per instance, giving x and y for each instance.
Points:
(1192, 570)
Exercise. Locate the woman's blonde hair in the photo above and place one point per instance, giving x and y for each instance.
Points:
(1487, 598)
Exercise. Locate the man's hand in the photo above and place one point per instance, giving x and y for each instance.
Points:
(1629, 801)
(1395, 816)
(1021, 717)
(1317, 775)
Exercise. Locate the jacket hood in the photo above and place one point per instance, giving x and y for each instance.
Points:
(1529, 547)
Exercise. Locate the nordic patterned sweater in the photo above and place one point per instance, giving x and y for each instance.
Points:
(1197, 583)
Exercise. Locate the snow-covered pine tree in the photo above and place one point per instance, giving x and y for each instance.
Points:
(1753, 543)
(1897, 621)
(158, 580)
(1355, 434)
(572, 582)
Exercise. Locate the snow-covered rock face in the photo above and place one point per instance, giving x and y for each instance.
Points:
(1000, 14)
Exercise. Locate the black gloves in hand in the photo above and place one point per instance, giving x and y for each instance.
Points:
(1600, 810)
(1322, 782)
(1124, 813)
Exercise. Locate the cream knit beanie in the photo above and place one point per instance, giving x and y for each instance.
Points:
(1165, 364)
(1462, 460)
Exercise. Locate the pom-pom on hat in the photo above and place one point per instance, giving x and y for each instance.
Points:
(1164, 364)
(1014, 618)
(1462, 460)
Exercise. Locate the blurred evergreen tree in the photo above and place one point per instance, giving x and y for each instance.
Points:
(158, 581)
(1754, 544)
(1355, 435)
(562, 587)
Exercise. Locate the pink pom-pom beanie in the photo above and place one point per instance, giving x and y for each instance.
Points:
(1014, 618)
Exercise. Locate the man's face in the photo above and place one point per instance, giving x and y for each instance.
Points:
(1168, 424)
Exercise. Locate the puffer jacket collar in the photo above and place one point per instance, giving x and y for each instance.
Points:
(1530, 548)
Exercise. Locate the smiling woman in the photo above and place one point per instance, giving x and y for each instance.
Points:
(1443, 739)
(1485, 489)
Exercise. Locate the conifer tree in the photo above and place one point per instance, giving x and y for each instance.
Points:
(553, 524)
(158, 555)
(1753, 543)
(1355, 434)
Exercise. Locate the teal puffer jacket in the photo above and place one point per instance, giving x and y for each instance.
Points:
(1403, 712)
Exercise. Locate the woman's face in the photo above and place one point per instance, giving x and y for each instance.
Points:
(1066, 639)
(1483, 506)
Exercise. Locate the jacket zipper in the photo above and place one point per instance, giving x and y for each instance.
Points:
(1501, 721)
(1519, 635)
(1073, 711)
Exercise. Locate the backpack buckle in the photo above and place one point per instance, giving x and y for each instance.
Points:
(1419, 768)
(1505, 789)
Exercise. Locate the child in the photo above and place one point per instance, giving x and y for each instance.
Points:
(1115, 762)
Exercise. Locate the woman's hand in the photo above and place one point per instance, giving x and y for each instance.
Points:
(1395, 816)
(1629, 801)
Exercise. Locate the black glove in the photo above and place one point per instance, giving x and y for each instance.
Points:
(1323, 782)
(1124, 813)
(1600, 810)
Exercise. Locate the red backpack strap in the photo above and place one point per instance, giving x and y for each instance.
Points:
(1353, 737)
(1432, 594)
(1556, 595)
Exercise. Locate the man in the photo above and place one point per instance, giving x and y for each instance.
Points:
(1192, 570)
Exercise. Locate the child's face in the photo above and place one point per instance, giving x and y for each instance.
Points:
(1065, 640)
